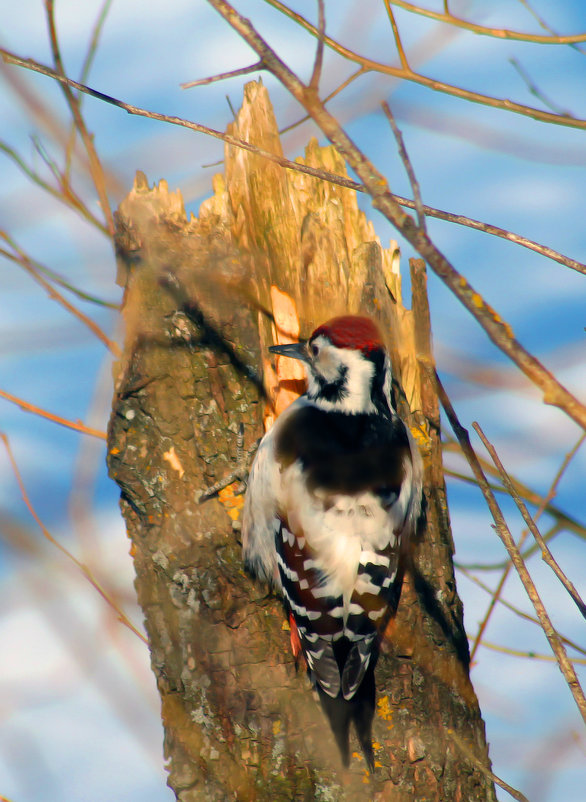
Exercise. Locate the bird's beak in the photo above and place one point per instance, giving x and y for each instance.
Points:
(294, 350)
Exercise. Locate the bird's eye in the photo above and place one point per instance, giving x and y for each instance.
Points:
(314, 349)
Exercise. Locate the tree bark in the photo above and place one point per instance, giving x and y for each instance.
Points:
(239, 722)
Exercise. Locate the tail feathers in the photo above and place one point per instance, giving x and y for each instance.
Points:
(356, 666)
(323, 666)
(343, 673)
(359, 709)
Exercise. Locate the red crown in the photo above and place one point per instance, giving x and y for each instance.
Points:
(351, 331)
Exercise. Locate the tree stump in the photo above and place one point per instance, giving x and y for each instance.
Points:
(200, 305)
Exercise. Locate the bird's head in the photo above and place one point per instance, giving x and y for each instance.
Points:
(347, 366)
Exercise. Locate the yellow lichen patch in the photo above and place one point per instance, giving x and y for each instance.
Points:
(114, 451)
(477, 300)
(285, 626)
(376, 745)
(276, 727)
(232, 502)
(384, 708)
(366, 778)
(357, 755)
(378, 764)
(174, 461)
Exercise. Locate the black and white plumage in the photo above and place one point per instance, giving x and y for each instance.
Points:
(333, 496)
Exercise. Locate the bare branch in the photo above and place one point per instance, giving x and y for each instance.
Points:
(408, 166)
(222, 76)
(546, 554)
(65, 194)
(504, 533)
(85, 71)
(77, 425)
(543, 504)
(319, 53)
(96, 170)
(497, 33)
(122, 617)
(30, 268)
(535, 90)
(376, 184)
(398, 42)
(449, 89)
(501, 783)
(488, 228)
(525, 616)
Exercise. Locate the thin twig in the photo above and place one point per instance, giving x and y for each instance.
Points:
(222, 76)
(95, 165)
(497, 33)
(123, 618)
(438, 86)
(64, 195)
(324, 175)
(467, 751)
(319, 53)
(503, 532)
(408, 166)
(562, 519)
(56, 296)
(546, 554)
(543, 24)
(535, 90)
(525, 616)
(498, 330)
(85, 71)
(77, 425)
(398, 42)
(56, 277)
(360, 71)
(511, 489)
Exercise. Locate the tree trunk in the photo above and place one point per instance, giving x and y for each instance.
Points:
(239, 722)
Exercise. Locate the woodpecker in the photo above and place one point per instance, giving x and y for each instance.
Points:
(334, 494)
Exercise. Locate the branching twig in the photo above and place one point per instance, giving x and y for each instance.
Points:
(319, 53)
(85, 71)
(497, 329)
(397, 37)
(64, 194)
(222, 76)
(535, 90)
(497, 33)
(543, 504)
(439, 86)
(546, 554)
(525, 616)
(123, 618)
(408, 166)
(503, 532)
(324, 175)
(77, 425)
(96, 170)
(468, 752)
(56, 296)
(18, 258)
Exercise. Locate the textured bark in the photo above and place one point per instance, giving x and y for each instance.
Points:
(240, 723)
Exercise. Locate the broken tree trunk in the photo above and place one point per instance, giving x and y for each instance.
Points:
(201, 296)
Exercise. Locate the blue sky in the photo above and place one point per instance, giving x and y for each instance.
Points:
(90, 717)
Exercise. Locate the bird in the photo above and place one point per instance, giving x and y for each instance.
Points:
(333, 498)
